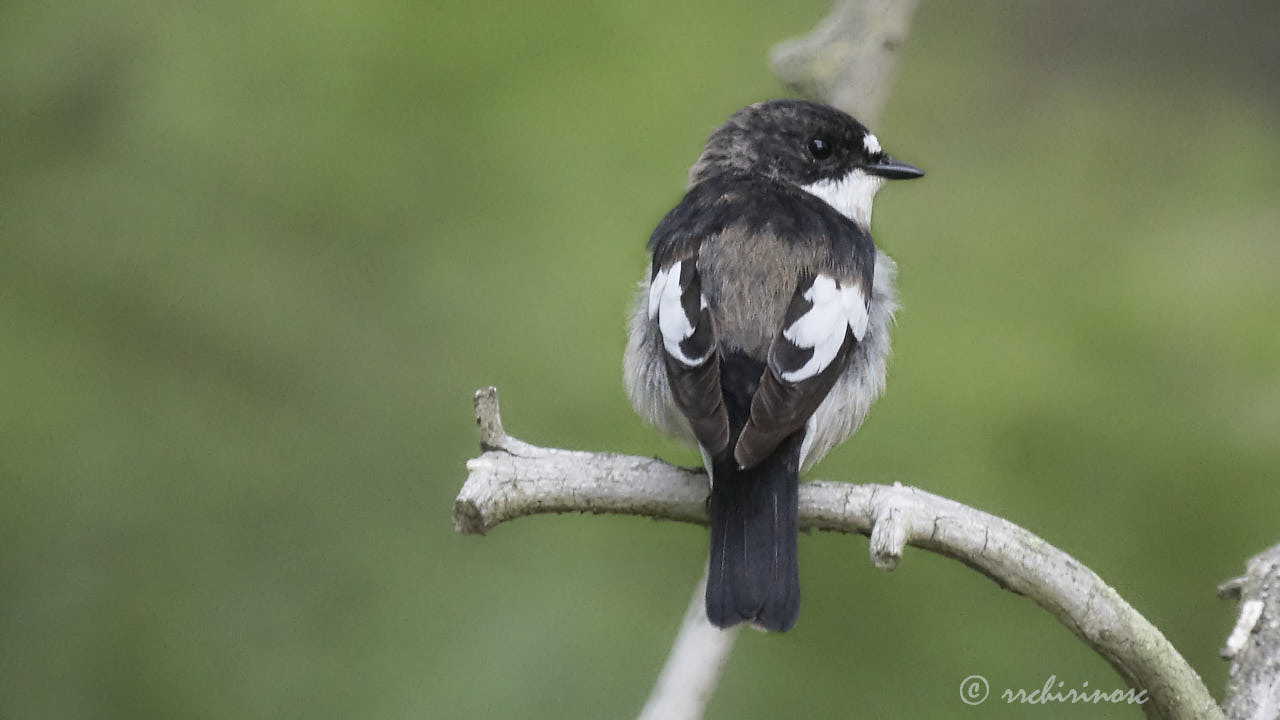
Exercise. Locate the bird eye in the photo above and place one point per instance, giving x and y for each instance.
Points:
(820, 149)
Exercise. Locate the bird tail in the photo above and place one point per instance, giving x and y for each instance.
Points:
(754, 574)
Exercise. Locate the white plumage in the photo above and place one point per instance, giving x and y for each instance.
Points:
(822, 328)
(664, 304)
(850, 195)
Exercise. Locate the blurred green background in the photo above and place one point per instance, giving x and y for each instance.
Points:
(255, 258)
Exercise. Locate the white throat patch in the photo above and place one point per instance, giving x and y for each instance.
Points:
(850, 195)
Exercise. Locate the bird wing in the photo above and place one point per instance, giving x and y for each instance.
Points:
(824, 321)
(680, 309)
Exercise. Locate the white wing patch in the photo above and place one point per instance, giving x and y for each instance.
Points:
(664, 305)
(656, 287)
(822, 327)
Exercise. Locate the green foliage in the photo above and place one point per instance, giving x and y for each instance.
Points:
(254, 258)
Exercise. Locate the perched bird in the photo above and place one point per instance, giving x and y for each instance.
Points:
(762, 331)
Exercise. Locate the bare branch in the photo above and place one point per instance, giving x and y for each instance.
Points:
(513, 479)
(848, 60)
(1253, 686)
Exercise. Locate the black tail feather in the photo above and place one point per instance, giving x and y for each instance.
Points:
(754, 575)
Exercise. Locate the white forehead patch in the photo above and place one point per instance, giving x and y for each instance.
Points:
(871, 143)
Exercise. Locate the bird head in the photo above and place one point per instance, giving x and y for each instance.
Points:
(813, 146)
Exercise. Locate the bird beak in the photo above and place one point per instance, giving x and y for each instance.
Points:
(887, 167)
